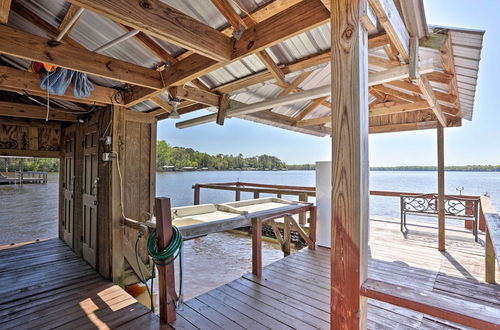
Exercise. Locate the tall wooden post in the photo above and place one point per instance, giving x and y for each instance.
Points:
(257, 246)
(350, 191)
(166, 275)
(440, 168)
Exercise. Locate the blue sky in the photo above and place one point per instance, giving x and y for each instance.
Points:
(476, 142)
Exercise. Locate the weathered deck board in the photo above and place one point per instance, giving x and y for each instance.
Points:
(294, 292)
(44, 285)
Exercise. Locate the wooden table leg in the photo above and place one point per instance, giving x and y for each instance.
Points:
(287, 237)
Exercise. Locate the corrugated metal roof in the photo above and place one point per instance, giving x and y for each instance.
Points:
(93, 31)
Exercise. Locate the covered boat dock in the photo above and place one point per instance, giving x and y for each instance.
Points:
(343, 68)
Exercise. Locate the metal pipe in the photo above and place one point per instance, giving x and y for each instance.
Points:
(113, 42)
(259, 106)
(68, 26)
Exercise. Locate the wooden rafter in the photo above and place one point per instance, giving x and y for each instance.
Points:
(448, 61)
(4, 11)
(281, 26)
(21, 110)
(30, 47)
(223, 105)
(389, 108)
(408, 86)
(393, 24)
(310, 108)
(231, 16)
(428, 92)
(36, 20)
(195, 95)
(164, 22)
(67, 18)
(273, 68)
(23, 81)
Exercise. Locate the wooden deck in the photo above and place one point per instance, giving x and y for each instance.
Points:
(45, 285)
(294, 292)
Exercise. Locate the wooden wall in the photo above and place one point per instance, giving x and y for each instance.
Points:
(131, 173)
(29, 137)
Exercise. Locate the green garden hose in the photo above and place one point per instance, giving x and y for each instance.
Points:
(163, 258)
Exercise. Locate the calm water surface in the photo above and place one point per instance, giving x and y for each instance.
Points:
(29, 212)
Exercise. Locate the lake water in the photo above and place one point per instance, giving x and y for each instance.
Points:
(29, 212)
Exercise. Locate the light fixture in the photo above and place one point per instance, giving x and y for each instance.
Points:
(174, 102)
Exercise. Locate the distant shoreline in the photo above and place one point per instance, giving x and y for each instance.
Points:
(464, 168)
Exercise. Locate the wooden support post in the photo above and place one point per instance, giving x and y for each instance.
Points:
(489, 260)
(166, 275)
(350, 191)
(256, 195)
(303, 216)
(469, 210)
(256, 247)
(312, 226)
(440, 168)
(196, 194)
(237, 193)
(287, 237)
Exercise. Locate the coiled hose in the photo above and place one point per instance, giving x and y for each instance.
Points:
(162, 258)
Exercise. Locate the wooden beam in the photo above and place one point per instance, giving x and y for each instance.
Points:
(408, 126)
(67, 18)
(180, 73)
(195, 95)
(429, 95)
(39, 22)
(350, 191)
(412, 88)
(223, 105)
(260, 77)
(231, 16)
(151, 45)
(441, 187)
(162, 104)
(30, 153)
(393, 24)
(4, 11)
(263, 35)
(314, 121)
(477, 316)
(389, 108)
(414, 69)
(448, 60)
(294, 85)
(369, 20)
(182, 111)
(310, 108)
(398, 73)
(378, 40)
(33, 48)
(26, 82)
(21, 110)
(283, 25)
(164, 22)
(273, 68)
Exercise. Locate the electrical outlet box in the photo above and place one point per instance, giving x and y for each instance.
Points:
(107, 156)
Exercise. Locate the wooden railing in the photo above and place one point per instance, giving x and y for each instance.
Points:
(492, 244)
(488, 218)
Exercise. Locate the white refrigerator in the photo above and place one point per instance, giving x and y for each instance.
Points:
(323, 203)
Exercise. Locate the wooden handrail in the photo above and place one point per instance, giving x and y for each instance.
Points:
(492, 246)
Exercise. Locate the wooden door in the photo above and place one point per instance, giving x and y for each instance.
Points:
(69, 188)
(89, 198)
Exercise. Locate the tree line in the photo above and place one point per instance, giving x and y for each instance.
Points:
(29, 164)
(178, 158)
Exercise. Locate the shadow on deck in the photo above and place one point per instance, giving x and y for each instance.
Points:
(45, 285)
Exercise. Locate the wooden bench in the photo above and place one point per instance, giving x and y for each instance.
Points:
(468, 313)
(455, 207)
